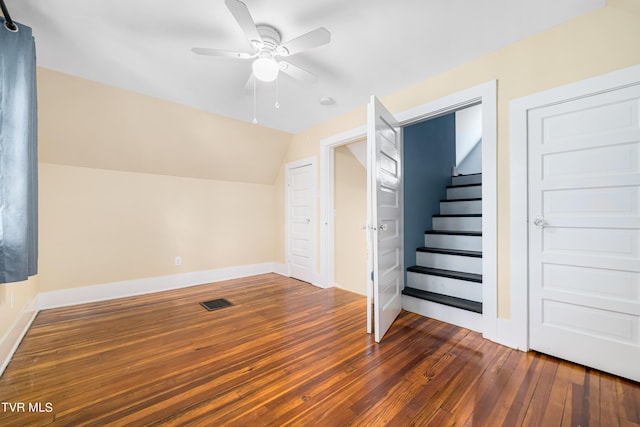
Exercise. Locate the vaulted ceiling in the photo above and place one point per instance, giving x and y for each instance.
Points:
(377, 47)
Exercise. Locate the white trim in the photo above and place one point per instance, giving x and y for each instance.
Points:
(309, 161)
(10, 342)
(484, 93)
(518, 143)
(128, 288)
(280, 268)
(337, 285)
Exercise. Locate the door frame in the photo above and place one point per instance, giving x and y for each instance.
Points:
(519, 188)
(327, 199)
(288, 167)
(484, 93)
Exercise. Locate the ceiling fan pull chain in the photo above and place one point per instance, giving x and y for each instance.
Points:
(254, 121)
(277, 104)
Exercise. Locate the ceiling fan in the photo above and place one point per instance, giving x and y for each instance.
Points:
(266, 43)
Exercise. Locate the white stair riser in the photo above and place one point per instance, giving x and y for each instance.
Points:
(457, 223)
(461, 263)
(448, 241)
(471, 192)
(466, 179)
(455, 316)
(445, 286)
(462, 207)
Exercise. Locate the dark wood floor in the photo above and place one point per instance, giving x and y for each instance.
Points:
(287, 353)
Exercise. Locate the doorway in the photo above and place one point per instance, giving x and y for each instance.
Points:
(484, 94)
(350, 217)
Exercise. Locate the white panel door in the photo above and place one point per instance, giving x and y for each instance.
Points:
(301, 212)
(384, 138)
(584, 231)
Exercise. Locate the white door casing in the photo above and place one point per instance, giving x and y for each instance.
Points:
(300, 213)
(384, 137)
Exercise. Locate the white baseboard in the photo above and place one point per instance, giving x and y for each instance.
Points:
(339, 286)
(511, 334)
(313, 278)
(280, 268)
(455, 316)
(128, 288)
(508, 333)
(10, 342)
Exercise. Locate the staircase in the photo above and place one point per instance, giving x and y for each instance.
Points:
(446, 283)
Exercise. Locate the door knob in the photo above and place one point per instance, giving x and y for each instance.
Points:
(538, 222)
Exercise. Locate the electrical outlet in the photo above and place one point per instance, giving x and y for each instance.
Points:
(178, 260)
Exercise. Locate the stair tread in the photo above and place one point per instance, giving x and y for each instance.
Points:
(458, 215)
(475, 199)
(464, 185)
(471, 277)
(475, 254)
(454, 232)
(444, 299)
(468, 174)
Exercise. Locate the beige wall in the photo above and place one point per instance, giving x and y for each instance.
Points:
(596, 43)
(23, 294)
(128, 182)
(99, 226)
(88, 124)
(350, 214)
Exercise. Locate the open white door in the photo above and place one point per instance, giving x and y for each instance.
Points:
(384, 137)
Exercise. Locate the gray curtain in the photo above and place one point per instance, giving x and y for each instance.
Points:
(18, 155)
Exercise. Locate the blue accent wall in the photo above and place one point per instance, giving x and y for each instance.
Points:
(429, 153)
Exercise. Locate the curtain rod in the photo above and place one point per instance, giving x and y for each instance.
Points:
(11, 26)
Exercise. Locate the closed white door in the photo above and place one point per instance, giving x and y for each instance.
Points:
(384, 138)
(584, 231)
(301, 210)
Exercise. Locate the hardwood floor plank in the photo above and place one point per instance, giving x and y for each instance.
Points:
(508, 393)
(380, 359)
(631, 400)
(456, 383)
(557, 409)
(489, 392)
(287, 353)
(540, 398)
(594, 396)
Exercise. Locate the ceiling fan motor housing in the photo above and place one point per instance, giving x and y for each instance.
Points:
(270, 40)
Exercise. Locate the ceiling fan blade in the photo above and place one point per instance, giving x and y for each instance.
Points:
(241, 13)
(225, 53)
(315, 38)
(298, 73)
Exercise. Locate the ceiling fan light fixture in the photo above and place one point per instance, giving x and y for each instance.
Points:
(265, 69)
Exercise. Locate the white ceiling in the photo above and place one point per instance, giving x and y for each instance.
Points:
(377, 47)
